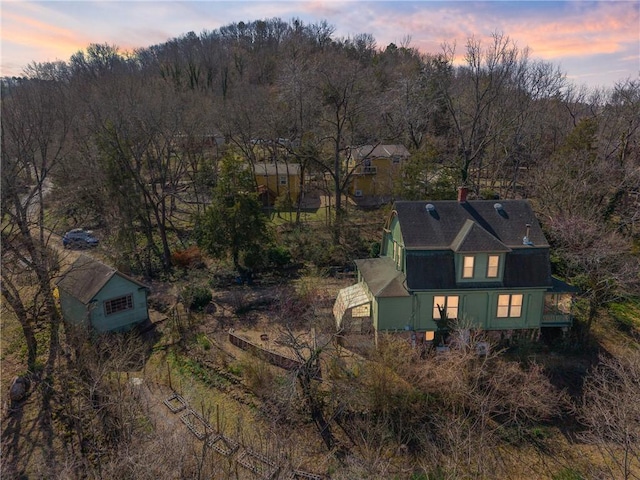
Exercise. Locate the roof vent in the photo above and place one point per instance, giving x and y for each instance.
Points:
(430, 207)
(498, 207)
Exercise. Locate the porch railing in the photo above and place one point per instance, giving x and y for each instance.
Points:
(366, 171)
(556, 319)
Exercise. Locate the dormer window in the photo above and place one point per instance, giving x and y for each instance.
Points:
(467, 267)
(493, 264)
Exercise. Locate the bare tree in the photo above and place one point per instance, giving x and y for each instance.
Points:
(597, 259)
(611, 413)
(344, 91)
(307, 350)
(455, 406)
(35, 123)
(477, 97)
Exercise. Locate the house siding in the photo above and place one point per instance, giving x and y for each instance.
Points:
(119, 287)
(74, 311)
(532, 306)
(376, 169)
(393, 234)
(269, 175)
(478, 309)
(379, 183)
(392, 313)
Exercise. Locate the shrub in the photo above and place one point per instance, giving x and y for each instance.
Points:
(189, 258)
(196, 297)
(279, 255)
(259, 377)
(204, 342)
(374, 249)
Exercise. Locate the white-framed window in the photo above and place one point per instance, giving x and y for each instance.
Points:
(119, 304)
(492, 266)
(449, 303)
(467, 266)
(282, 179)
(509, 306)
(397, 253)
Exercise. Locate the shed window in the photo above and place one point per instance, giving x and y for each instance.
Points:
(119, 304)
(449, 303)
(467, 268)
(509, 306)
(492, 266)
(283, 180)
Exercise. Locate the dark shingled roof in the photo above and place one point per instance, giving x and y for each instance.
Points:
(433, 270)
(473, 238)
(527, 268)
(382, 277)
(87, 276)
(277, 168)
(379, 151)
(476, 225)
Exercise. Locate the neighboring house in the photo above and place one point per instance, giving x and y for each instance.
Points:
(276, 179)
(376, 169)
(210, 142)
(97, 296)
(485, 263)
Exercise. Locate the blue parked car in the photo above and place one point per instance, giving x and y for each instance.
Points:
(79, 238)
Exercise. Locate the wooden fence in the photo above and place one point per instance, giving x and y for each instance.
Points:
(272, 357)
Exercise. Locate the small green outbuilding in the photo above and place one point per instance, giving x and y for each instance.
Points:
(100, 297)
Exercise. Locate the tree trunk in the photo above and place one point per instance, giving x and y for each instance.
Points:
(23, 317)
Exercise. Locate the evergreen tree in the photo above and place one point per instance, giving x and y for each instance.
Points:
(234, 223)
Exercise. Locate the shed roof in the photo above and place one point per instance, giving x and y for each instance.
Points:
(279, 168)
(477, 225)
(86, 277)
(379, 151)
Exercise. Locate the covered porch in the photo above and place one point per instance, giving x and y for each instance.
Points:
(557, 305)
(353, 303)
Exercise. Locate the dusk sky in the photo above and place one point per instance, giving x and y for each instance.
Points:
(594, 43)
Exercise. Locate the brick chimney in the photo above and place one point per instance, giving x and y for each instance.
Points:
(462, 194)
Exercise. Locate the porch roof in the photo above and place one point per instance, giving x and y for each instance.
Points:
(559, 286)
(382, 277)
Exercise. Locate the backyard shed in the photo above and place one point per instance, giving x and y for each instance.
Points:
(100, 297)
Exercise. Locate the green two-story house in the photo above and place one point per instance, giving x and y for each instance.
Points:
(485, 263)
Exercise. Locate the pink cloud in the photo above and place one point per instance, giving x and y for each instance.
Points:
(555, 31)
(38, 35)
(603, 30)
(607, 28)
